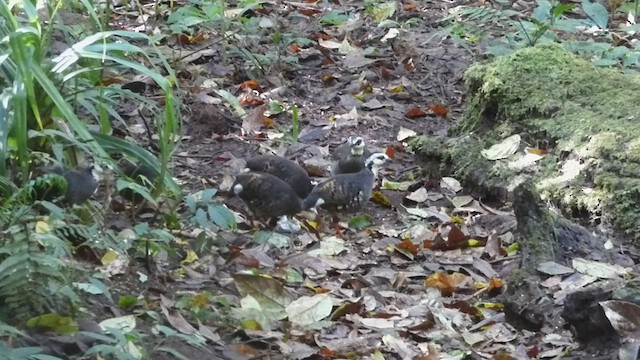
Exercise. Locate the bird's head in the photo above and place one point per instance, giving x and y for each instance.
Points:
(96, 171)
(357, 145)
(375, 161)
(237, 188)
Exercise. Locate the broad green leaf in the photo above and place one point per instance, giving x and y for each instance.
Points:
(222, 217)
(360, 221)
(384, 10)
(596, 12)
(335, 18)
(137, 188)
(542, 12)
(267, 291)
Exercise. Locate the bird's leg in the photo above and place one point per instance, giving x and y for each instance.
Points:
(336, 225)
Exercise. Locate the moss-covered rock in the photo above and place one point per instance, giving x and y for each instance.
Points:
(585, 117)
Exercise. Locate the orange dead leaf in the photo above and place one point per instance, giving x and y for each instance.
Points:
(408, 7)
(250, 84)
(536, 151)
(308, 12)
(327, 353)
(390, 151)
(248, 100)
(439, 110)
(267, 122)
(415, 113)
(407, 245)
(294, 47)
(495, 286)
(110, 80)
(447, 284)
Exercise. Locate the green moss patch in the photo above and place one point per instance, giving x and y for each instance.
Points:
(586, 117)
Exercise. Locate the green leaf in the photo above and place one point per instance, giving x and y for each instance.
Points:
(127, 301)
(60, 324)
(542, 12)
(360, 221)
(190, 200)
(560, 9)
(272, 238)
(233, 101)
(222, 217)
(383, 11)
(201, 218)
(137, 188)
(596, 12)
(335, 18)
(267, 291)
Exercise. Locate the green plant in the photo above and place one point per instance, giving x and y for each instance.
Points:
(198, 306)
(549, 22)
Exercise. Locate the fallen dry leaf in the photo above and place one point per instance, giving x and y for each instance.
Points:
(405, 133)
(447, 284)
(439, 110)
(414, 113)
(378, 197)
(419, 196)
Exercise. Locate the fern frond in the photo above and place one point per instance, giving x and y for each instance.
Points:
(45, 187)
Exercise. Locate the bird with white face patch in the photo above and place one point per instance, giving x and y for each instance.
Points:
(266, 195)
(349, 157)
(81, 184)
(346, 193)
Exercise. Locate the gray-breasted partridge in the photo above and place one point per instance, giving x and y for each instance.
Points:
(265, 195)
(288, 171)
(81, 184)
(346, 193)
(349, 157)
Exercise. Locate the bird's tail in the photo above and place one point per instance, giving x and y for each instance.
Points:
(310, 201)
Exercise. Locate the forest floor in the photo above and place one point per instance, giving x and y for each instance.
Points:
(414, 280)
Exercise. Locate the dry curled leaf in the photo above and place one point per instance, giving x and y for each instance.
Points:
(439, 110)
(414, 113)
(378, 197)
(447, 284)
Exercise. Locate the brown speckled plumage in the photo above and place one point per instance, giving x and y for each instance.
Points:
(266, 195)
(284, 169)
(346, 192)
